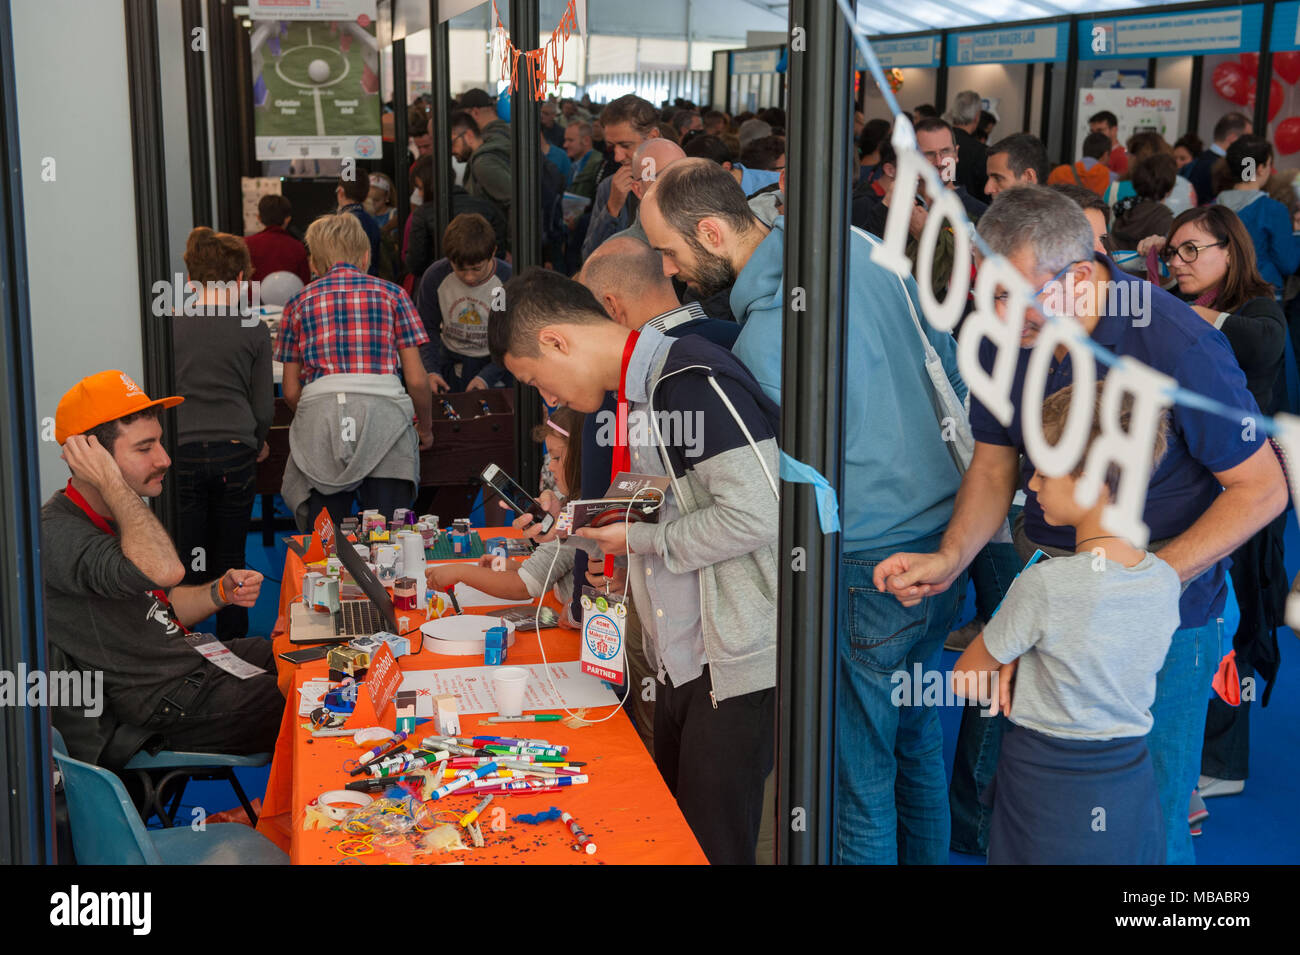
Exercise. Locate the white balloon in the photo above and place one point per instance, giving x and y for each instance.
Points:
(278, 287)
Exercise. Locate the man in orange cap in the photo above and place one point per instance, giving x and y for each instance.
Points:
(113, 599)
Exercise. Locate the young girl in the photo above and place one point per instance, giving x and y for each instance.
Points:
(562, 434)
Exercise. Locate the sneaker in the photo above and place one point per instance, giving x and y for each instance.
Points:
(1196, 812)
(962, 637)
(1209, 787)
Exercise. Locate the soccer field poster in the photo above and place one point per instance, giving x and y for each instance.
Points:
(315, 79)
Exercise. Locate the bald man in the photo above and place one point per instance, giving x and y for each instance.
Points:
(651, 158)
(627, 278)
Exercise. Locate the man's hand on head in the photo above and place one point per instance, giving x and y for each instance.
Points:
(91, 462)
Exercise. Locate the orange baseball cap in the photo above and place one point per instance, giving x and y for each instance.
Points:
(99, 398)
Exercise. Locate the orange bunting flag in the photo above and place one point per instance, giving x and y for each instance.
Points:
(544, 65)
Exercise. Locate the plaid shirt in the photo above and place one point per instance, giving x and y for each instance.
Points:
(347, 322)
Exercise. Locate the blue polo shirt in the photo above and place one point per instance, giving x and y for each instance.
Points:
(1182, 345)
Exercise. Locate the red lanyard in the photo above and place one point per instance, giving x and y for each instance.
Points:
(622, 454)
(98, 520)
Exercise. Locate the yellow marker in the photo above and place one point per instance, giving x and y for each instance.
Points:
(474, 813)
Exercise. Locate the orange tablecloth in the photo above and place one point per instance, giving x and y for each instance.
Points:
(626, 807)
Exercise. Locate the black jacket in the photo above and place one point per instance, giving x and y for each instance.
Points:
(419, 248)
(972, 162)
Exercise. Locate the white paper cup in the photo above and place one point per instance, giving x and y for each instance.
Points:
(508, 684)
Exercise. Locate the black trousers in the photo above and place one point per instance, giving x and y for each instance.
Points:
(715, 762)
(211, 711)
(382, 494)
(215, 483)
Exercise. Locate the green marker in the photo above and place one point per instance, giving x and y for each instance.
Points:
(532, 718)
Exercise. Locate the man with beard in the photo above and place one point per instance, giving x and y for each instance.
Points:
(899, 484)
(114, 601)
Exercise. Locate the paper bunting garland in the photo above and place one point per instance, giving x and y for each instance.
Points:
(541, 66)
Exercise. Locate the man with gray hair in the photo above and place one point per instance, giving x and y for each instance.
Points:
(972, 155)
(1214, 488)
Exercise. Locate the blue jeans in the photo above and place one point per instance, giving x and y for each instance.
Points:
(1175, 741)
(980, 738)
(890, 801)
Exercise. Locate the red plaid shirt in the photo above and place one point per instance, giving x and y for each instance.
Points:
(347, 322)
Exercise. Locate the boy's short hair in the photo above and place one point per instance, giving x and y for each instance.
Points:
(273, 209)
(216, 256)
(356, 188)
(1096, 146)
(1056, 410)
(469, 240)
(335, 238)
(1245, 156)
(537, 298)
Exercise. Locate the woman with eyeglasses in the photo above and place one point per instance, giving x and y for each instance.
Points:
(1212, 259)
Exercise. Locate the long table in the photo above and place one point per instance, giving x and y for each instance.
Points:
(625, 807)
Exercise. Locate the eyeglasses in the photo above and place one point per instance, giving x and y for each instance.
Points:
(1188, 251)
(1001, 298)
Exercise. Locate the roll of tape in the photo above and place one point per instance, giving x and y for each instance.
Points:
(337, 803)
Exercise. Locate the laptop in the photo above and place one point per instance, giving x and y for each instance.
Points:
(355, 617)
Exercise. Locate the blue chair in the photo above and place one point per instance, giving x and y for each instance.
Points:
(106, 829)
(185, 767)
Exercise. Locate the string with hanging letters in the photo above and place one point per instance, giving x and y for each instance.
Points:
(1152, 391)
(541, 66)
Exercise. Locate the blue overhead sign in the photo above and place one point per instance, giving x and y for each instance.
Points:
(1190, 33)
(912, 51)
(1286, 27)
(1035, 44)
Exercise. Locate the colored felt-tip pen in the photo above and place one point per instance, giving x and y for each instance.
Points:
(524, 751)
(509, 741)
(534, 783)
(477, 811)
(458, 784)
(379, 785)
(530, 718)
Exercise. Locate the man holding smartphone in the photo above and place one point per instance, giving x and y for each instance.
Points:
(704, 578)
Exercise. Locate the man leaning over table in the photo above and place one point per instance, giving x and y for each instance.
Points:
(703, 579)
(114, 602)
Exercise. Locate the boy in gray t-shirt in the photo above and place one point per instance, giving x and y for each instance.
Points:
(1083, 637)
(1089, 634)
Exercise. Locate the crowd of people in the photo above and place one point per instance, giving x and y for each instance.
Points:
(662, 297)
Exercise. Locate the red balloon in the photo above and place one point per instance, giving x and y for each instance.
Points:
(1287, 136)
(1287, 65)
(1232, 82)
(1251, 62)
(1274, 97)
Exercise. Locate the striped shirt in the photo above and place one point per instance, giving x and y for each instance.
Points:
(347, 322)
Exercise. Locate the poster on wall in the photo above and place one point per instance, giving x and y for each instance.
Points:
(1138, 111)
(315, 79)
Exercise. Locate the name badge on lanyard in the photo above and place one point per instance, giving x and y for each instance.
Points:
(604, 617)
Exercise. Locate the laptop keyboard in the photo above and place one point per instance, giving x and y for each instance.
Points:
(358, 618)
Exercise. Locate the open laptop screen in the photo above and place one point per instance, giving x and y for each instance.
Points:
(369, 582)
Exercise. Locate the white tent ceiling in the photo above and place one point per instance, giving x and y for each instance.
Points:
(732, 19)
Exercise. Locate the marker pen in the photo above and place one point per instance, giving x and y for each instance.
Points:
(457, 784)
